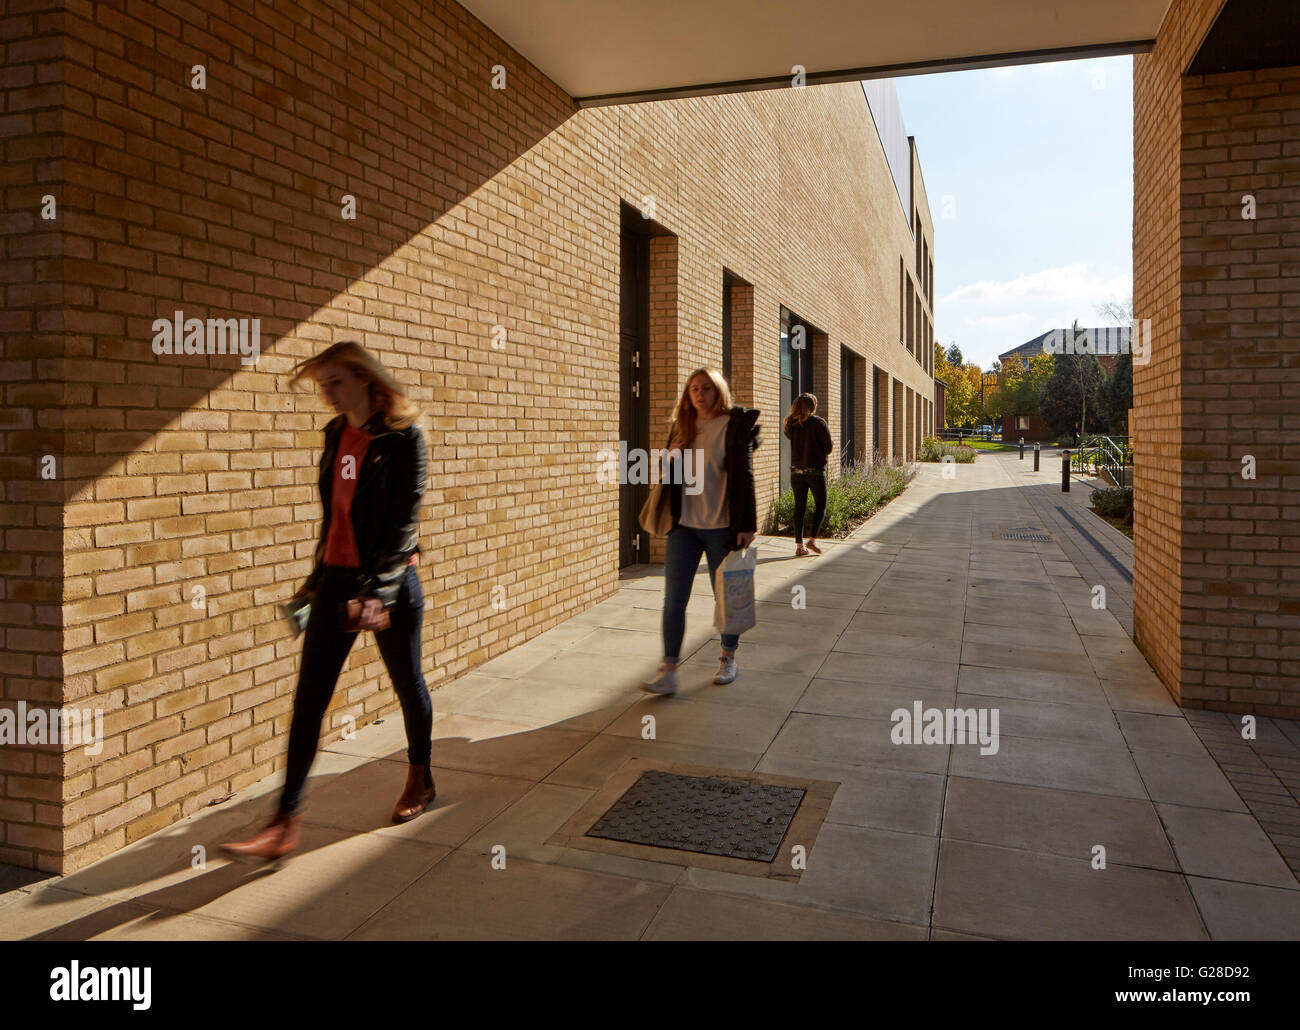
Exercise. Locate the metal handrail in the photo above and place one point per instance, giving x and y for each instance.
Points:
(1109, 453)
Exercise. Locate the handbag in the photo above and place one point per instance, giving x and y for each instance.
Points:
(733, 592)
(656, 516)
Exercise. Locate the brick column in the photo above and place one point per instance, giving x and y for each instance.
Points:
(826, 388)
(667, 368)
(742, 343)
(1239, 605)
(865, 403)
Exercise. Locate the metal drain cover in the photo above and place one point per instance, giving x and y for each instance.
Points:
(1024, 533)
(701, 813)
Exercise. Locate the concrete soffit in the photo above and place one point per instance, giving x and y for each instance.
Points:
(603, 52)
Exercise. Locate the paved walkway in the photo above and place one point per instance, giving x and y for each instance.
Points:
(1100, 553)
(925, 604)
(1265, 770)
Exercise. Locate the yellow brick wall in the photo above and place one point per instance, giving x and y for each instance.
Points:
(1157, 423)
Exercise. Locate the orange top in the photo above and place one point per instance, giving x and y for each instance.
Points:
(341, 544)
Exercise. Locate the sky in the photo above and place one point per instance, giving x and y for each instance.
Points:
(1029, 174)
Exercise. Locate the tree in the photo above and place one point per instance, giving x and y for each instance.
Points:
(1117, 395)
(956, 403)
(1073, 390)
(953, 356)
(1029, 390)
(1117, 311)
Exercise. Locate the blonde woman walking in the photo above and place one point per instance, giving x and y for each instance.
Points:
(372, 477)
(715, 516)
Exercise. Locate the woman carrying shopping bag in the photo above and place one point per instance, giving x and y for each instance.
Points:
(713, 507)
(810, 446)
(372, 477)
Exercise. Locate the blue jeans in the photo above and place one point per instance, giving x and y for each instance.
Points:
(682, 560)
(325, 648)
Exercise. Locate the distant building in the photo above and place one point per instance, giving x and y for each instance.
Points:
(1113, 339)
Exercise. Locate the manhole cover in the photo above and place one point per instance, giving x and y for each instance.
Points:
(702, 813)
(1024, 533)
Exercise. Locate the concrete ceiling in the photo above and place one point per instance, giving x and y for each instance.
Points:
(615, 51)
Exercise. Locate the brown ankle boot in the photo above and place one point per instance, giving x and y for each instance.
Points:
(417, 795)
(277, 840)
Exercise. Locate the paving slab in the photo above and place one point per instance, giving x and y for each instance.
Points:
(1023, 895)
(1056, 822)
(698, 915)
(465, 898)
(1224, 845)
(1247, 912)
(876, 873)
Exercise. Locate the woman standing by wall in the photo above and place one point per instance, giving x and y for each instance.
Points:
(716, 513)
(372, 477)
(810, 446)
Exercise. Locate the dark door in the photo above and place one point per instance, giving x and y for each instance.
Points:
(848, 412)
(796, 375)
(634, 387)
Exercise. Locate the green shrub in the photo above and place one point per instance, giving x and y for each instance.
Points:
(851, 497)
(934, 449)
(1116, 503)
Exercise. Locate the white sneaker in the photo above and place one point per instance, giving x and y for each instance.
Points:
(726, 670)
(664, 683)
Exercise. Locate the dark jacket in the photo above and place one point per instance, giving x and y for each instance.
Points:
(810, 443)
(386, 507)
(743, 439)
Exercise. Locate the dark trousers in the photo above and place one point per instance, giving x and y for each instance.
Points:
(325, 648)
(801, 484)
(681, 561)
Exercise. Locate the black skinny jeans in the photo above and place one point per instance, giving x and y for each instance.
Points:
(325, 648)
(801, 484)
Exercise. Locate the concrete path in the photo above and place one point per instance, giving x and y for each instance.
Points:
(922, 840)
(1264, 770)
(1101, 554)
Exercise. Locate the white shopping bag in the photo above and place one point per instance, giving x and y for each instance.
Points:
(733, 592)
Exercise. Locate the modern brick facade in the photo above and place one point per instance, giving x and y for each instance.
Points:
(1216, 554)
(482, 265)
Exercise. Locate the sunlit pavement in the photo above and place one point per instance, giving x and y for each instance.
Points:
(1100, 814)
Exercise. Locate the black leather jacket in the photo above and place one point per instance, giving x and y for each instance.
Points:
(743, 438)
(386, 507)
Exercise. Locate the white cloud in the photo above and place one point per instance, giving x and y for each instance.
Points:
(1067, 287)
(990, 316)
(1002, 321)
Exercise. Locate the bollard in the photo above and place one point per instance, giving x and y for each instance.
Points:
(1022, 448)
(1065, 472)
(1035, 457)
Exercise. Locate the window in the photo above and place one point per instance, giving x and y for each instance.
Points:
(1022, 421)
(924, 270)
(911, 316)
